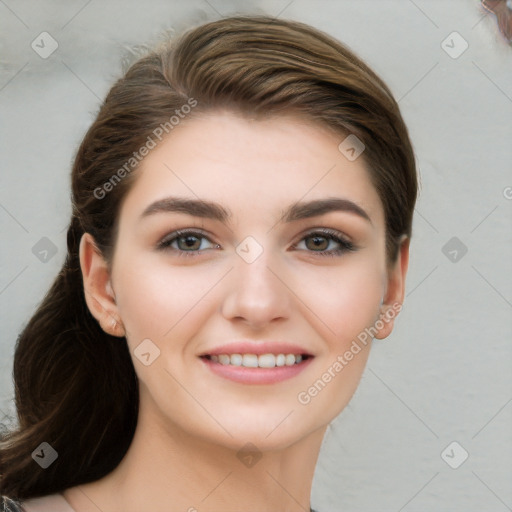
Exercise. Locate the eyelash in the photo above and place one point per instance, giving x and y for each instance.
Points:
(329, 234)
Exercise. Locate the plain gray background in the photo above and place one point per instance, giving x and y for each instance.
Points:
(444, 375)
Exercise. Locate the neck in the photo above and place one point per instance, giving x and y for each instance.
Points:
(170, 470)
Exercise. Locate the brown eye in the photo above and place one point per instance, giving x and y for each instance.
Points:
(182, 242)
(317, 242)
(190, 243)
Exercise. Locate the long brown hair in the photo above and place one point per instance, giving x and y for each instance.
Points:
(75, 386)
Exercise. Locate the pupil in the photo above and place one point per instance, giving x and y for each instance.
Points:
(190, 241)
(318, 241)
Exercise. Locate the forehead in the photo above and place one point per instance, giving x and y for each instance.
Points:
(251, 166)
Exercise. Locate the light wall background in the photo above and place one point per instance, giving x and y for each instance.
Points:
(444, 375)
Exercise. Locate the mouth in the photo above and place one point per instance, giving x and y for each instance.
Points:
(250, 368)
(257, 361)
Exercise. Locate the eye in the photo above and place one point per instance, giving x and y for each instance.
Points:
(326, 242)
(186, 241)
(323, 242)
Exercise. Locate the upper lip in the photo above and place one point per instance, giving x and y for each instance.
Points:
(257, 347)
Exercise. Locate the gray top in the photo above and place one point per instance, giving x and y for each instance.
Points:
(49, 503)
(8, 505)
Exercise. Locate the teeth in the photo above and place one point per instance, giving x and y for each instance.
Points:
(224, 359)
(255, 361)
(236, 360)
(268, 361)
(289, 359)
(250, 360)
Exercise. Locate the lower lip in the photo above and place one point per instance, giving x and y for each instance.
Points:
(245, 375)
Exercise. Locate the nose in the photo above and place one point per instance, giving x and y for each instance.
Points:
(258, 294)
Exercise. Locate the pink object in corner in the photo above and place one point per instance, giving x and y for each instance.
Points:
(50, 503)
(502, 9)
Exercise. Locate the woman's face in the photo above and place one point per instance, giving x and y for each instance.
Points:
(263, 264)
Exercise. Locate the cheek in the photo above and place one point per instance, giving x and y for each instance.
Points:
(345, 300)
(157, 299)
(346, 307)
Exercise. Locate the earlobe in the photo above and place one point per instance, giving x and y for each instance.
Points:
(99, 294)
(395, 293)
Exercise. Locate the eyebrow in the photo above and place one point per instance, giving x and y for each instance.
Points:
(215, 211)
(194, 207)
(304, 210)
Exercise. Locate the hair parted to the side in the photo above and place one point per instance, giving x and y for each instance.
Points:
(75, 385)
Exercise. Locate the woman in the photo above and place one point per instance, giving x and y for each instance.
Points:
(242, 210)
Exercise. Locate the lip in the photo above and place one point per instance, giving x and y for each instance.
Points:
(243, 375)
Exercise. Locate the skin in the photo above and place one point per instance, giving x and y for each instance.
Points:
(192, 422)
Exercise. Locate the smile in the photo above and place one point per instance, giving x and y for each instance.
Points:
(257, 361)
(256, 369)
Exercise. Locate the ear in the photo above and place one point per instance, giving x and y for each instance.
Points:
(395, 291)
(99, 294)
